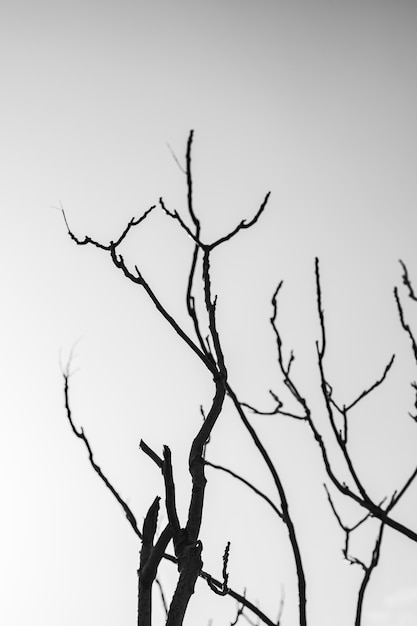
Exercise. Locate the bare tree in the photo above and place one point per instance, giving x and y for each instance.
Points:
(206, 345)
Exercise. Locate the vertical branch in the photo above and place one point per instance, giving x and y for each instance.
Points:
(150, 558)
(163, 599)
(367, 569)
(286, 516)
(190, 204)
(145, 582)
(367, 576)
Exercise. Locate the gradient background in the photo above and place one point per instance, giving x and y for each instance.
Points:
(314, 101)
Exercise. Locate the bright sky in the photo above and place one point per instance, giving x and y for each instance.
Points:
(314, 101)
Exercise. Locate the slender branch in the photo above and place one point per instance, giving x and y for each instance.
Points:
(190, 203)
(368, 572)
(140, 280)
(89, 240)
(239, 612)
(339, 438)
(222, 591)
(414, 416)
(281, 607)
(362, 499)
(407, 282)
(176, 216)
(240, 598)
(81, 435)
(211, 311)
(190, 182)
(247, 483)
(285, 369)
(195, 237)
(243, 224)
(174, 156)
(163, 599)
(374, 386)
(302, 597)
(399, 494)
(404, 324)
(367, 569)
(276, 411)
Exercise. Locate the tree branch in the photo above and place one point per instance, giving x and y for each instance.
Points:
(81, 435)
(247, 483)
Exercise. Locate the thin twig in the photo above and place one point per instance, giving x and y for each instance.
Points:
(407, 282)
(276, 411)
(239, 612)
(286, 516)
(353, 560)
(89, 240)
(81, 435)
(404, 324)
(247, 483)
(373, 386)
(243, 224)
(223, 589)
(163, 599)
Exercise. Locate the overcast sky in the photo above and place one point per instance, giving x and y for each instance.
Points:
(314, 101)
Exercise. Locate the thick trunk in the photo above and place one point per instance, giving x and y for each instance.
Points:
(190, 568)
(144, 605)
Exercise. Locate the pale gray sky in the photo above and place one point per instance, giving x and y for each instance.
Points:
(314, 101)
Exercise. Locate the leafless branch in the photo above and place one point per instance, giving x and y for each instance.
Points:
(285, 368)
(150, 558)
(276, 411)
(363, 499)
(151, 454)
(399, 494)
(176, 216)
(89, 240)
(404, 324)
(407, 282)
(243, 224)
(170, 495)
(163, 599)
(241, 599)
(367, 569)
(376, 384)
(223, 589)
(414, 416)
(81, 435)
(239, 612)
(247, 483)
(174, 156)
(195, 237)
(368, 572)
(286, 516)
(281, 607)
(190, 302)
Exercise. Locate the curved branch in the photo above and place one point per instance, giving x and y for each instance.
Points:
(81, 435)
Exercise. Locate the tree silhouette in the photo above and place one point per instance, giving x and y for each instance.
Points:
(206, 344)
